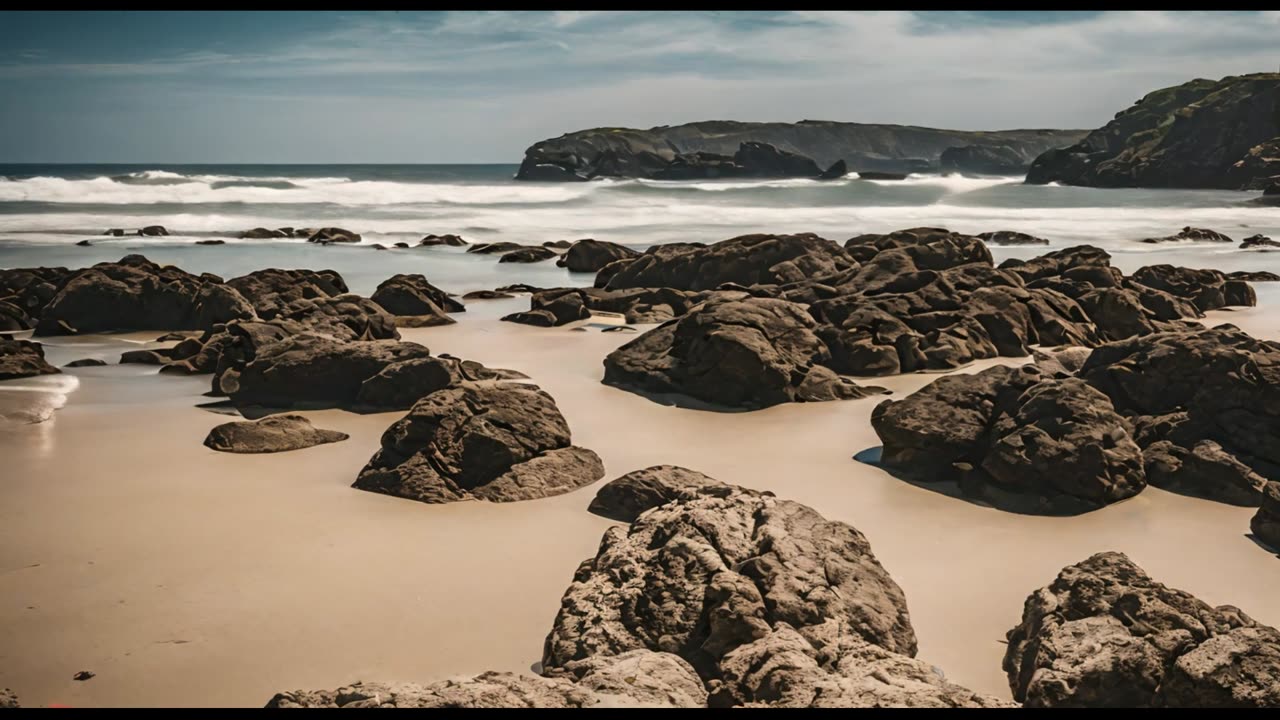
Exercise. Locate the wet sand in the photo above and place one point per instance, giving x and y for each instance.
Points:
(181, 576)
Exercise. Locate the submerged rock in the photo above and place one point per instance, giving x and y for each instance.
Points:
(450, 240)
(333, 235)
(276, 433)
(1105, 634)
(528, 255)
(495, 442)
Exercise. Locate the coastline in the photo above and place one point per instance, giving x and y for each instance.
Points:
(278, 575)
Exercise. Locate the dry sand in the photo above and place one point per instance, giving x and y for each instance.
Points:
(182, 576)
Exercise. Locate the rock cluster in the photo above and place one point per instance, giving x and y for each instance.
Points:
(22, 358)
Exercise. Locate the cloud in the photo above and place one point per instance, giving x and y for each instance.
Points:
(494, 82)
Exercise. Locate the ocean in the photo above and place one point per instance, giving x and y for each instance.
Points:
(46, 209)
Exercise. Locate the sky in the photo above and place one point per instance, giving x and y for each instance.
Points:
(470, 86)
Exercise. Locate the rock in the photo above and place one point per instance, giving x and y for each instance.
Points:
(333, 235)
(558, 244)
(627, 152)
(1266, 522)
(1105, 634)
(836, 171)
(745, 260)
(260, 233)
(273, 291)
(8, 699)
(308, 369)
(84, 243)
(761, 159)
(592, 255)
(344, 317)
(22, 358)
(86, 362)
(499, 443)
(153, 231)
(450, 240)
(706, 577)
(1011, 237)
(378, 246)
(486, 295)
(1205, 470)
(783, 669)
(1258, 241)
(145, 357)
(635, 679)
(1061, 363)
(136, 294)
(401, 246)
(1200, 134)
(211, 242)
(413, 295)
(114, 232)
(536, 318)
(275, 433)
(984, 160)
(84, 675)
(528, 255)
(1254, 276)
(495, 248)
(1190, 234)
(626, 497)
(1015, 439)
(744, 354)
(1205, 288)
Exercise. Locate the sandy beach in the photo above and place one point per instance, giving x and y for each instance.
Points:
(185, 577)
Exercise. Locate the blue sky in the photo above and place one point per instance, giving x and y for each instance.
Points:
(281, 87)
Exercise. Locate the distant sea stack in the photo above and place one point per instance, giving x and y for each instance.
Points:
(1200, 134)
(740, 149)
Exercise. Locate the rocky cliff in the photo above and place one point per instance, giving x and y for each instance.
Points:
(718, 146)
(1201, 134)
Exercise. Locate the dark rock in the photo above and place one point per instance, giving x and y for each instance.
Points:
(837, 171)
(1190, 234)
(593, 255)
(211, 242)
(1011, 237)
(413, 295)
(1015, 439)
(537, 318)
(499, 443)
(740, 354)
(14, 318)
(764, 160)
(745, 260)
(86, 362)
(333, 235)
(153, 231)
(84, 675)
(528, 255)
(145, 357)
(276, 433)
(486, 295)
(1205, 288)
(136, 294)
(635, 679)
(518, 288)
(377, 246)
(1198, 134)
(114, 232)
(401, 245)
(1254, 276)
(84, 243)
(872, 175)
(1266, 522)
(1258, 241)
(495, 248)
(273, 291)
(625, 498)
(1205, 470)
(23, 358)
(1104, 634)
(558, 244)
(345, 317)
(260, 233)
(450, 240)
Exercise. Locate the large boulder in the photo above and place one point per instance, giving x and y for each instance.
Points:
(746, 260)
(136, 294)
(22, 358)
(1266, 522)
(592, 255)
(744, 354)
(636, 679)
(413, 296)
(1105, 634)
(1016, 439)
(495, 442)
(271, 291)
(276, 433)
